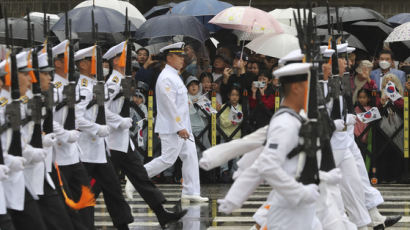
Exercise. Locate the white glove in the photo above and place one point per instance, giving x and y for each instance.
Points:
(226, 206)
(103, 131)
(332, 177)
(350, 119)
(126, 123)
(73, 136)
(49, 140)
(311, 194)
(14, 163)
(340, 124)
(4, 170)
(204, 163)
(34, 155)
(129, 189)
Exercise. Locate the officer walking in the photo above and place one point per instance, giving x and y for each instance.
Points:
(174, 125)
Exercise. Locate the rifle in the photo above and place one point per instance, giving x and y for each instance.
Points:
(35, 104)
(13, 109)
(309, 129)
(69, 90)
(49, 94)
(127, 82)
(99, 88)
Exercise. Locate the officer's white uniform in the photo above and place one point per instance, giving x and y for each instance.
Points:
(173, 116)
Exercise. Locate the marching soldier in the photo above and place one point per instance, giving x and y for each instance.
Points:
(20, 195)
(292, 203)
(67, 150)
(174, 126)
(92, 142)
(122, 150)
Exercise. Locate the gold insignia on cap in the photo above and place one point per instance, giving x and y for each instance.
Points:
(178, 119)
(57, 84)
(3, 101)
(84, 82)
(23, 99)
(115, 79)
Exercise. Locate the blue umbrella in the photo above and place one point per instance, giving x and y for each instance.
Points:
(399, 19)
(204, 10)
(159, 10)
(172, 25)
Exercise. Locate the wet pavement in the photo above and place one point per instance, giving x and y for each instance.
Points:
(206, 216)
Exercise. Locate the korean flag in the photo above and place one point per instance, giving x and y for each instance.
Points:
(369, 116)
(391, 91)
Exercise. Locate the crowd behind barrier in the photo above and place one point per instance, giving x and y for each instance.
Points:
(235, 96)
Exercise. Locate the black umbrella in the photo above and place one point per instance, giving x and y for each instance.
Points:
(159, 10)
(371, 34)
(347, 14)
(352, 40)
(20, 31)
(401, 50)
(172, 25)
(110, 24)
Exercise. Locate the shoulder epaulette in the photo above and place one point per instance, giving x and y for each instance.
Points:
(3, 101)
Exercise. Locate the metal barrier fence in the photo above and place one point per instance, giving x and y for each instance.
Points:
(213, 129)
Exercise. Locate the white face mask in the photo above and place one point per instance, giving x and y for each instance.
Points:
(106, 71)
(384, 64)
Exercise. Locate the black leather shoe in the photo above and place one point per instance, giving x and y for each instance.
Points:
(167, 217)
(390, 221)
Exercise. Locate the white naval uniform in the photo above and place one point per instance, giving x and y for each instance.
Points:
(92, 146)
(3, 207)
(173, 116)
(119, 139)
(66, 153)
(351, 186)
(14, 185)
(288, 208)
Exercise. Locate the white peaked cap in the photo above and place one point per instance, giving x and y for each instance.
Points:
(60, 48)
(43, 63)
(293, 72)
(114, 51)
(176, 46)
(350, 49)
(84, 53)
(342, 48)
(328, 52)
(295, 55)
(21, 62)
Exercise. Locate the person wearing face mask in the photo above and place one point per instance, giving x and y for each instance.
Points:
(385, 63)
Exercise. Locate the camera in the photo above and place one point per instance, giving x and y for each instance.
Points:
(259, 84)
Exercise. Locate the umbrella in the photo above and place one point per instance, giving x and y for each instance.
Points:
(110, 24)
(400, 33)
(172, 25)
(371, 34)
(352, 40)
(245, 36)
(134, 15)
(285, 16)
(246, 19)
(204, 10)
(39, 17)
(20, 31)
(399, 19)
(274, 45)
(401, 50)
(348, 14)
(159, 10)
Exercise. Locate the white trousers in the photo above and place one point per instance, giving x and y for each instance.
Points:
(352, 188)
(373, 197)
(301, 217)
(172, 147)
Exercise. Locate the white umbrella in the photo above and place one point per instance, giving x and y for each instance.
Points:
(245, 36)
(274, 45)
(39, 17)
(134, 15)
(285, 16)
(400, 33)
